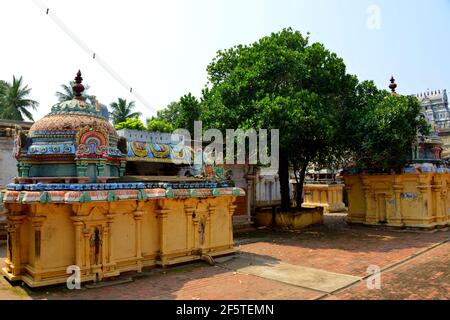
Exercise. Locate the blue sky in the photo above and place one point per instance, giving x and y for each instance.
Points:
(161, 48)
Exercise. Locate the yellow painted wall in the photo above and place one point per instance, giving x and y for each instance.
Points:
(134, 234)
(406, 200)
(330, 197)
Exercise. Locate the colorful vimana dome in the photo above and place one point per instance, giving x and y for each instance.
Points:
(75, 141)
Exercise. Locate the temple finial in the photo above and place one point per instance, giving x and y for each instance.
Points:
(393, 85)
(78, 87)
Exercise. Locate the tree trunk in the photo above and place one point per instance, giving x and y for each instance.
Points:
(283, 172)
(300, 183)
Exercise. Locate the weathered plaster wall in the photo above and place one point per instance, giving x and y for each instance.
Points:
(8, 163)
(405, 200)
(105, 238)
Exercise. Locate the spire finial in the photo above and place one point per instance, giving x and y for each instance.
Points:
(393, 85)
(78, 88)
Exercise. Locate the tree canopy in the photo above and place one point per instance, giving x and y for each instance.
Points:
(381, 129)
(159, 125)
(67, 93)
(131, 123)
(122, 110)
(178, 115)
(15, 101)
(281, 82)
(326, 116)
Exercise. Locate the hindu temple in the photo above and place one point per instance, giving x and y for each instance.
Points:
(108, 203)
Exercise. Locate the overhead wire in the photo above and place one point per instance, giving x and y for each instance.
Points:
(94, 55)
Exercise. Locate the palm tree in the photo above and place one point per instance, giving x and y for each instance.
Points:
(121, 110)
(67, 93)
(14, 102)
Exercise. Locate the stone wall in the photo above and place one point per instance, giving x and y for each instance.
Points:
(107, 238)
(8, 163)
(8, 171)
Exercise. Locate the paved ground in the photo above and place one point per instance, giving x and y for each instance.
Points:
(323, 262)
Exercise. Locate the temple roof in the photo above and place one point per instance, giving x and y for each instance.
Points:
(69, 117)
(69, 123)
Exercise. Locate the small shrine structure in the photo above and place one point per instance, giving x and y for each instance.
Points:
(74, 205)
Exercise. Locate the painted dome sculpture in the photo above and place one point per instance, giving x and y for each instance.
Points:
(75, 141)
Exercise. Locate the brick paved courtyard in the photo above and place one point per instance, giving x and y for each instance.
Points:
(323, 262)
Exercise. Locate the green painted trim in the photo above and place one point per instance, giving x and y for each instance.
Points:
(142, 195)
(85, 197)
(169, 193)
(45, 197)
(111, 196)
(216, 192)
(193, 193)
(236, 192)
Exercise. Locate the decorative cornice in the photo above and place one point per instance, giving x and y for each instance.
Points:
(42, 197)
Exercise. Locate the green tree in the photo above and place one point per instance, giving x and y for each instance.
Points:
(67, 93)
(14, 101)
(181, 114)
(281, 82)
(131, 123)
(3, 88)
(383, 129)
(159, 125)
(122, 110)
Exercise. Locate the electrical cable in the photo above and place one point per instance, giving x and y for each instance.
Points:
(85, 47)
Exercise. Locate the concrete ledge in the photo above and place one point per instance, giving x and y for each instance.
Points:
(291, 221)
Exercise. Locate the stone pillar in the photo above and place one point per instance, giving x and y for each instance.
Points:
(162, 216)
(109, 247)
(231, 208)
(425, 204)
(37, 226)
(13, 261)
(78, 242)
(439, 190)
(189, 212)
(138, 216)
(351, 215)
(444, 214)
(371, 215)
(211, 211)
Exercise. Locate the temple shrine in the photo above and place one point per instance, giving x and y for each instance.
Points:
(416, 198)
(85, 197)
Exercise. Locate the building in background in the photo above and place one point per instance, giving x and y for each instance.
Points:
(435, 107)
(436, 110)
